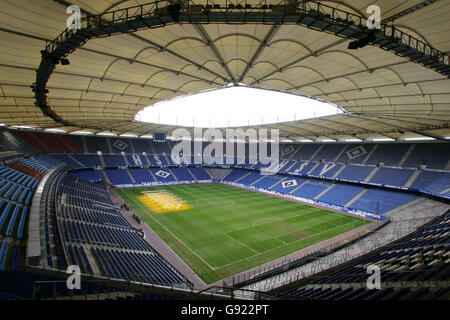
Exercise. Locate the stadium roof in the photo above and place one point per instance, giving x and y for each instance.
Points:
(123, 60)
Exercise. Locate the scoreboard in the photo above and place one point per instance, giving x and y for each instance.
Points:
(159, 136)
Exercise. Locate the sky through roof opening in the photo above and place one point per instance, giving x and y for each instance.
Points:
(235, 106)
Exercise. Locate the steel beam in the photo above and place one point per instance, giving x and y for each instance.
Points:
(158, 14)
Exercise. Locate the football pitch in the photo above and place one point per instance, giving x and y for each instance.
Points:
(219, 230)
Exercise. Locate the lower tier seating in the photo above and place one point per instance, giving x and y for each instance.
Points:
(97, 238)
(423, 256)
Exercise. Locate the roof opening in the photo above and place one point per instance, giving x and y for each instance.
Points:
(235, 106)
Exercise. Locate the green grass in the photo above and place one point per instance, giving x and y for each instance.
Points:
(229, 230)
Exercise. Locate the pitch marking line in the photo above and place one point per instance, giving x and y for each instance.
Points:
(256, 222)
(316, 218)
(276, 248)
(247, 258)
(232, 238)
(179, 240)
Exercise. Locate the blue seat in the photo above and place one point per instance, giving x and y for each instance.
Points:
(22, 221)
(3, 251)
(10, 191)
(5, 214)
(15, 258)
(16, 193)
(28, 200)
(23, 195)
(12, 221)
(5, 187)
(31, 182)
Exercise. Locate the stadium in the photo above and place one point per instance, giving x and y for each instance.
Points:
(97, 203)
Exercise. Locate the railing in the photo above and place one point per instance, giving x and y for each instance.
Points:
(382, 240)
(223, 292)
(308, 255)
(95, 287)
(245, 8)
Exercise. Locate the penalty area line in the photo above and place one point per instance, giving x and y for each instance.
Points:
(232, 238)
(281, 246)
(171, 233)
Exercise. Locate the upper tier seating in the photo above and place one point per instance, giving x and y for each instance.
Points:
(49, 143)
(95, 144)
(329, 152)
(114, 161)
(120, 145)
(434, 156)
(68, 160)
(88, 175)
(389, 154)
(356, 154)
(158, 160)
(88, 160)
(141, 145)
(392, 176)
(137, 160)
(160, 148)
(306, 152)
